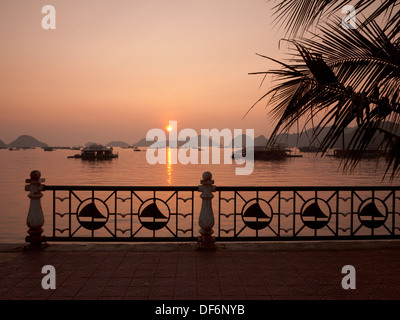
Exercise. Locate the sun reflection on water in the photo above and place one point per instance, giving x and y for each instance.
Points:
(169, 166)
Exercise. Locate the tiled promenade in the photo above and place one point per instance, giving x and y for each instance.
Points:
(180, 272)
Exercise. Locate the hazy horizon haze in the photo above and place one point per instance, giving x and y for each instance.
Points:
(113, 71)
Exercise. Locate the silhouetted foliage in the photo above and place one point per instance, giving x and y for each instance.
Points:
(340, 77)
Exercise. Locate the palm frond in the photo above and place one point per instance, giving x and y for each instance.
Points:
(337, 79)
(296, 16)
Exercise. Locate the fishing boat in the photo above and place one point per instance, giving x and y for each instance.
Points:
(371, 152)
(276, 152)
(95, 152)
(309, 149)
(367, 154)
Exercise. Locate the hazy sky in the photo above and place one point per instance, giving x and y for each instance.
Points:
(112, 70)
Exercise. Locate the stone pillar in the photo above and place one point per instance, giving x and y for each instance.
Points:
(206, 219)
(35, 219)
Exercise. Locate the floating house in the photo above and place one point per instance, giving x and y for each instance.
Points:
(309, 149)
(96, 152)
(276, 152)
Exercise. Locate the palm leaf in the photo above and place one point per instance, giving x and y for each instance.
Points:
(341, 78)
(297, 16)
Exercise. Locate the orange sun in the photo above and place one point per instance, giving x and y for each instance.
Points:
(169, 128)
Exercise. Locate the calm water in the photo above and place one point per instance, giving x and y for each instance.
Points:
(131, 168)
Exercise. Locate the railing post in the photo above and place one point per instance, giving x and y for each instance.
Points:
(35, 218)
(206, 219)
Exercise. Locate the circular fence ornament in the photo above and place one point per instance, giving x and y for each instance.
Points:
(154, 215)
(372, 213)
(92, 213)
(257, 214)
(315, 213)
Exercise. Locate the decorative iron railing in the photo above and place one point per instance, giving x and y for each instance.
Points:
(308, 213)
(167, 213)
(107, 213)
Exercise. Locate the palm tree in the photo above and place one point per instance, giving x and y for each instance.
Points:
(340, 77)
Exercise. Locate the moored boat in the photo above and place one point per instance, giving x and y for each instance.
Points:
(95, 152)
(367, 154)
(309, 149)
(276, 152)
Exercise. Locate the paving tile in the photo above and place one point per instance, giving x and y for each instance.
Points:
(119, 282)
(229, 280)
(208, 291)
(7, 283)
(118, 292)
(163, 282)
(165, 272)
(101, 273)
(138, 292)
(89, 292)
(209, 296)
(185, 282)
(64, 292)
(141, 282)
(161, 293)
(279, 290)
(30, 282)
(97, 282)
(256, 291)
(185, 296)
(124, 272)
(73, 281)
(185, 291)
(186, 275)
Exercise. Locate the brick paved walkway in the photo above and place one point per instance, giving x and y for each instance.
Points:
(176, 272)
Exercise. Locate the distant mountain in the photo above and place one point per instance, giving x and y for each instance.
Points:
(260, 141)
(241, 141)
(144, 143)
(3, 145)
(90, 143)
(117, 144)
(26, 141)
(304, 139)
(199, 138)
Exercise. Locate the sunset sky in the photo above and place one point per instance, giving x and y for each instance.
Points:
(112, 70)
